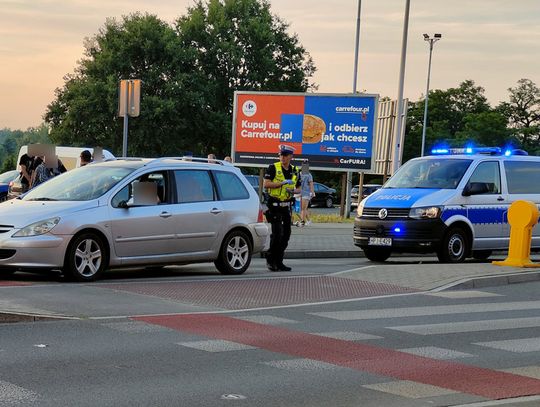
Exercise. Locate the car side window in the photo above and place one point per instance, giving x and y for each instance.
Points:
(522, 177)
(157, 181)
(194, 186)
(230, 187)
(487, 173)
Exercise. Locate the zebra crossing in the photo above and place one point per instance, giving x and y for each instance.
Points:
(472, 365)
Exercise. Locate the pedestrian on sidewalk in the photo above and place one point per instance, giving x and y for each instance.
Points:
(306, 192)
(282, 181)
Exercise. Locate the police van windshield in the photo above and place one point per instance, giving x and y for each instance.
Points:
(441, 173)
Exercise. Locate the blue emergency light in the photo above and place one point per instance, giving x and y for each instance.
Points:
(469, 150)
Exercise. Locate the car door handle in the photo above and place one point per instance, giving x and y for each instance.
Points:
(215, 211)
(165, 215)
(500, 198)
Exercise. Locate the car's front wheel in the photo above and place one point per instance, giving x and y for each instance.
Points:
(378, 254)
(86, 257)
(234, 254)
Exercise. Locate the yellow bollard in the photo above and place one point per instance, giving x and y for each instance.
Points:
(522, 216)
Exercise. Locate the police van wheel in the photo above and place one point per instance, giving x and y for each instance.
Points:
(454, 247)
(481, 254)
(377, 254)
(235, 253)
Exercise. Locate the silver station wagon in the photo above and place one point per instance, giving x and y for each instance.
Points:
(134, 212)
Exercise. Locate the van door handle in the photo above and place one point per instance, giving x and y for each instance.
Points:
(165, 215)
(215, 211)
(500, 198)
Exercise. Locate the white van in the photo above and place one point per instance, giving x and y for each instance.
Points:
(70, 156)
(453, 205)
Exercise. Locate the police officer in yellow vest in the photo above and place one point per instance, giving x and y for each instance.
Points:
(281, 180)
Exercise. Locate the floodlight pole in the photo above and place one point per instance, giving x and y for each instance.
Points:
(431, 41)
(355, 80)
(399, 116)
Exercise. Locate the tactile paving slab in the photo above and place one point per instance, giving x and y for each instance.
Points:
(254, 293)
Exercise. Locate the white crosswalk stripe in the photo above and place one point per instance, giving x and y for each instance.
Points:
(426, 311)
(514, 345)
(12, 394)
(469, 326)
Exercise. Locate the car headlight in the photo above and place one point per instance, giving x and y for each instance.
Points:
(430, 212)
(38, 228)
(360, 208)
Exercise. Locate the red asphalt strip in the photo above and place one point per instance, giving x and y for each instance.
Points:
(463, 378)
(13, 283)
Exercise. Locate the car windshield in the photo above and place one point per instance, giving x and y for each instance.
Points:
(8, 176)
(441, 173)
(81, 184)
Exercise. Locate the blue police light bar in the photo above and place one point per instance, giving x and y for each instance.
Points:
(477, 150)
(440, 151)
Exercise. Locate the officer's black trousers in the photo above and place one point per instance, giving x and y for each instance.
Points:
(280, 219)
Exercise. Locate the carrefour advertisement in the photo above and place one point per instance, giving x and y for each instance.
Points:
(333, 132)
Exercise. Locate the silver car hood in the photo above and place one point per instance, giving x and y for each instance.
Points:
(19, 214)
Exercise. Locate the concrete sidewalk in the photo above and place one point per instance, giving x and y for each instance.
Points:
(322, 240)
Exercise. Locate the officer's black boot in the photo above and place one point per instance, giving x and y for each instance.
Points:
(283, 267)
(270, 264)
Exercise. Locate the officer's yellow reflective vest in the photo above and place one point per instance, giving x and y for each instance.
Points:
(285, 192)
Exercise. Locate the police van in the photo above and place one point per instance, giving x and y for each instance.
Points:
(453, 203)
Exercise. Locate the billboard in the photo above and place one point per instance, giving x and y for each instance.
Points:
(333, 132)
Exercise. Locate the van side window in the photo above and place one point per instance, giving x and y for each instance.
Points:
(522, 177)
(487, 173)
(229, 186)
(194, 186)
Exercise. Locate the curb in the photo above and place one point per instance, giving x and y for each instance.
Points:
(320, 254)
(492, 281)
(12, 317)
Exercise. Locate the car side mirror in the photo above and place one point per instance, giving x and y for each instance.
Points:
(475, 188)
(123, 205)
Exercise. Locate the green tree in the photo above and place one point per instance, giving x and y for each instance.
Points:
(239, 45)
(189, 73)
(85, 109)
(523, 114)
(449, 113)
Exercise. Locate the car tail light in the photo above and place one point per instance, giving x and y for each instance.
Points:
(260, 217)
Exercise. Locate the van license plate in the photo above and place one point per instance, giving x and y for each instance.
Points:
(380, 241)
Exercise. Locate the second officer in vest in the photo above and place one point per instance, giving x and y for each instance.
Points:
(281, 180)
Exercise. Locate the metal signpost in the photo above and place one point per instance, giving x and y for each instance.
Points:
(129, 97)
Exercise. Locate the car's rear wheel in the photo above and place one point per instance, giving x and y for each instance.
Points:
(378, 254)
(234, 254)
(454, 246)
(329, 202)
(86, 257)
(482, 254)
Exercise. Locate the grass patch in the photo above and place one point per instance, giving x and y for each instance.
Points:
(331, 219)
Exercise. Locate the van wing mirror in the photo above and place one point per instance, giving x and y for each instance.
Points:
(475, 188)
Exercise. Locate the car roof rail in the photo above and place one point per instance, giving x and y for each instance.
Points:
(188, 158)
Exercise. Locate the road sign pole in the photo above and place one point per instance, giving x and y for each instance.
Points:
(126, 115)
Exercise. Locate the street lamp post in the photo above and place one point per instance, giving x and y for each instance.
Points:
(431, 41)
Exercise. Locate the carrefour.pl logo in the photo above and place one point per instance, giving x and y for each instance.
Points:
(249, 108)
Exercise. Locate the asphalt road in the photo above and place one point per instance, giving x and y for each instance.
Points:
(409, 349)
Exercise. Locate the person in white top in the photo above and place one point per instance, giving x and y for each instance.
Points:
(307, 192)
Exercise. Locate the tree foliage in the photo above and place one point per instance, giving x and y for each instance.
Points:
(523, 113)
(462, 115)
(189, 73)
(12, 140)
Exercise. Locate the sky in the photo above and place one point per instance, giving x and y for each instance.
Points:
(493, 42)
